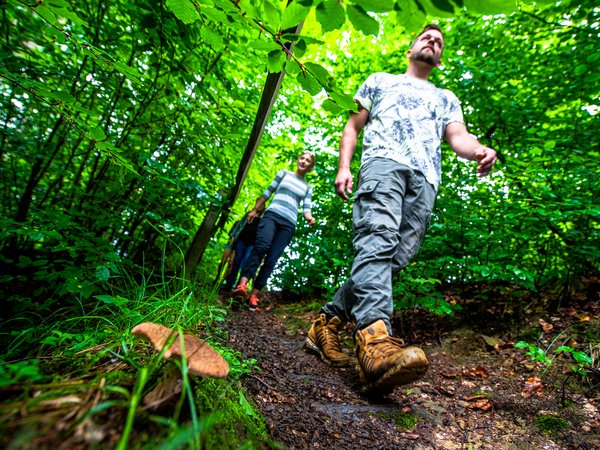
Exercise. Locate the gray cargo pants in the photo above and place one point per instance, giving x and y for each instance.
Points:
(392, 207)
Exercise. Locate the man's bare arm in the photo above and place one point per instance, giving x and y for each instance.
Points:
(468, 147)
(356, 122)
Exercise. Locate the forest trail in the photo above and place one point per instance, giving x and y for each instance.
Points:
(474, 396)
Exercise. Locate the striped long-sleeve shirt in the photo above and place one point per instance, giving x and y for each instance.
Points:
(289, 192)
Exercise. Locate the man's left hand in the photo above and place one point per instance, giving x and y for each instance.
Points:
(486, 158)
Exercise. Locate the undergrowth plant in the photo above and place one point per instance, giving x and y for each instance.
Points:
(546, 356)
(87, 346)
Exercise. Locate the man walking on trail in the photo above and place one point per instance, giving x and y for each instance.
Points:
(404, 117)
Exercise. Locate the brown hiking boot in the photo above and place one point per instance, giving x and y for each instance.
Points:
(384, 361)
(323, 339)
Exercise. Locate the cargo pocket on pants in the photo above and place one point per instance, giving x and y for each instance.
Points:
(363, 204)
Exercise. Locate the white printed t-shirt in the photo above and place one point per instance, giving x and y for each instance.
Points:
(407, 119)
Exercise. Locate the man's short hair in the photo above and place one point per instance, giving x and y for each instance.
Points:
(431, 26)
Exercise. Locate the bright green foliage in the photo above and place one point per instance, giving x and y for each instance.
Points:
(92, 350)
(533, 222)
(123, 123)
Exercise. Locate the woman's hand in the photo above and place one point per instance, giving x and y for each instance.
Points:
(309, 218)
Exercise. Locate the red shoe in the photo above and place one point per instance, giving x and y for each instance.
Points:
(253, 303)
(240, 292)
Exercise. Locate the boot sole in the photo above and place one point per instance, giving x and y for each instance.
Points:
(314, 348)
(395, 377)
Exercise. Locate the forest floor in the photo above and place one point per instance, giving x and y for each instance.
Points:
(480, 391)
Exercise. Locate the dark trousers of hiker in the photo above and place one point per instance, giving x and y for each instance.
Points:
(242, 253)
(273, 236)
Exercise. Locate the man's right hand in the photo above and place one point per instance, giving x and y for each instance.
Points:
(343, 183)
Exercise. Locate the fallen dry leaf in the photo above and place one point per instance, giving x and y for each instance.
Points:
(533, 385)
(504, 346)
(448, 392)
(545, 325)
(410, 436)
(482, 405)
(476, 397)
(450, 375)
(476, 372)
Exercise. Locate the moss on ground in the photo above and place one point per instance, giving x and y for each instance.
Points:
(402, 421)
(550, 424)
(235, 422)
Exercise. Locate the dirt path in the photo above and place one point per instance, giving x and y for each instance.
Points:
(473, 397)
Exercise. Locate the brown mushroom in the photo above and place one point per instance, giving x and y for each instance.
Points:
(202, 359)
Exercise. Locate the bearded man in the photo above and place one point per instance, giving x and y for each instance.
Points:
(405, 117)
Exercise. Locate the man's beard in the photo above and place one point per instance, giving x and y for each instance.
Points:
(428, 58)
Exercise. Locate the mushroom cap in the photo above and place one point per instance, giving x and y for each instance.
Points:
(202, 359)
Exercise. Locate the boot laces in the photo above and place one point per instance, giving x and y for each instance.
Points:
(386, 345)
(330, 338)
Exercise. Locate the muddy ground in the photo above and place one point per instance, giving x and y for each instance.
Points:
(479, 393)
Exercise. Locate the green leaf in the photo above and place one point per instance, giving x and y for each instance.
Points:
(582, 358)
(129, 72)
(97, 134)
(580, 69)
(593, 57)
(47, 14)
(184, 10)
(443, 5)
(293, 14)
(111, 300)
(53, 34)
(362, 21)
(272, 14)
(214, 39)
(293, 68)
(102, 273)
(330, 15)
(267, 46)
(309, 83)
(299, 49)
(215, 14)
(65, 97)
(377, 6)
(563, 349)
(248, 6)
(345, 101)
(331, 106)
(491, 6)
(300, 38)
(320, 73)
(411, 17)
(68, 14)
(275, 61)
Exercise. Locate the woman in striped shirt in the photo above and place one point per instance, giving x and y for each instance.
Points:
(276, 226)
